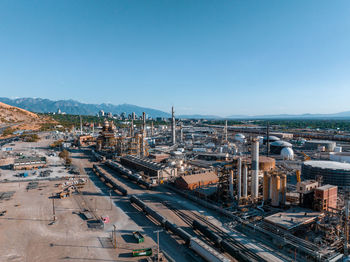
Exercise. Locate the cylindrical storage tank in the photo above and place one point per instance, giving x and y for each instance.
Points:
(275, 190)
(332, 172)
(271, 139)
(283, 189)
(277, 146)
(239, 138)
(314, 144)
(338, 149)
(340, 157)
(287, 153)
(321, 149)
(266, 163)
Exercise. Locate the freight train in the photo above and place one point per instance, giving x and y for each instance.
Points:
(109, 179)
(202, 249)
(133, 176)
(97, 156)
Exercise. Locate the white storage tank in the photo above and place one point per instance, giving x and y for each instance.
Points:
(338, 149)
(287, 153)
(240, 138)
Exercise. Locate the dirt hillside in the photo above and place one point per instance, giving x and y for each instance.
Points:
(19, 119)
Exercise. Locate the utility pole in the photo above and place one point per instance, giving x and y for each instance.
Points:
(267, 138)
(158, 231)
(110, 198)
(53, 208)
(114, 236)
(346, 224)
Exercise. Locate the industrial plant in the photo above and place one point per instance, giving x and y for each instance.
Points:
(222, 192)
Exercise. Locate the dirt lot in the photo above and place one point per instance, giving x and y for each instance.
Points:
(26, 233)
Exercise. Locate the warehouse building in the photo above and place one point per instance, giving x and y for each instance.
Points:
(191, 182)
(29, 163)
(148, 167)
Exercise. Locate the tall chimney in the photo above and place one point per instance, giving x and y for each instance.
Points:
(173, 136)
(181, 134)
(255, 169)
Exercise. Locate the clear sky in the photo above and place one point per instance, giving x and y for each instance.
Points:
(209, 57)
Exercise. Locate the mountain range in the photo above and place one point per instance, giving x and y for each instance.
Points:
(73, 107)
(40, 105)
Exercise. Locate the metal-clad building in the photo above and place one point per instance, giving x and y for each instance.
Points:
(149, 167)
(332, 172)
(29, 163)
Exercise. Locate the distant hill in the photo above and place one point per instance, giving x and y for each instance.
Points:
(198, 117)
(73, 107)
(341, 115)
(17, 119)
(12, 114)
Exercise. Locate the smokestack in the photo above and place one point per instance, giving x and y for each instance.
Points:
(245, 181)
(225, 130)
(181, 134)
(239, 178)
(255, 169)
(173, 126)
(152, 129)
(267, 139)
(143, 134)
(144, 124)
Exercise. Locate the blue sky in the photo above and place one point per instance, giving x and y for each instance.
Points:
(209, 57)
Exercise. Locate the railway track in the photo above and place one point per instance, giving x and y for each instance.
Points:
(189, 216)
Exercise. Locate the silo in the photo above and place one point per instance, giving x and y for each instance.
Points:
(283, 189)
(276, 182)
(266, 186)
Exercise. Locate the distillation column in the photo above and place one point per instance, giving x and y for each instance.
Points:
(239, 178)
(255, 169)
(231, 184)
(245, 181)
(143, 153)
